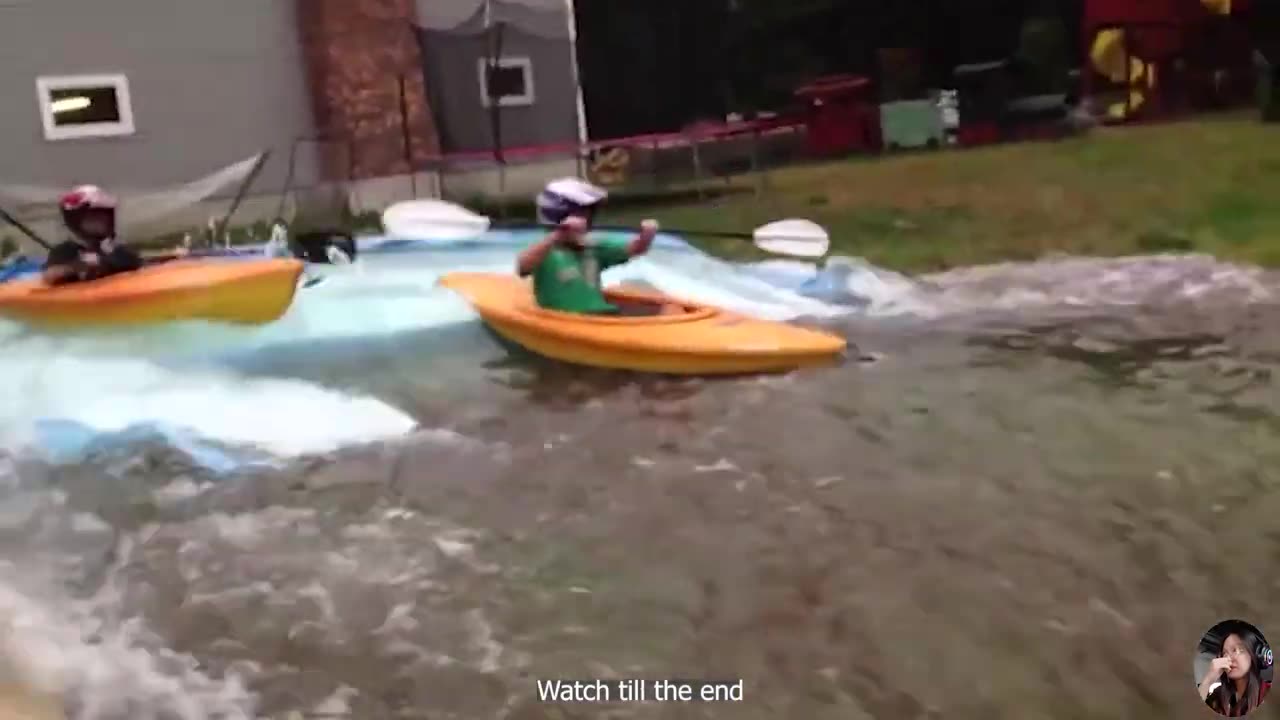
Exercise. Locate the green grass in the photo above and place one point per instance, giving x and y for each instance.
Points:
(1210, 185)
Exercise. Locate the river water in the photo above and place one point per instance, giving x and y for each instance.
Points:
(1025, 493)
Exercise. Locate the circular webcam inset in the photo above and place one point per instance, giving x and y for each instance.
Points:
(1233, 668)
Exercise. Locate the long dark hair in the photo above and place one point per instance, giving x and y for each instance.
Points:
(1224, 699)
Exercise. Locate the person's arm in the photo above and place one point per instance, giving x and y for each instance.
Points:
(120, 257)
(640, 244)
(611, 252)
(62, 265)
(531, 257)
(1216, 669)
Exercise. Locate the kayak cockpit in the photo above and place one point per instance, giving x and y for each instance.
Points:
(636, 306)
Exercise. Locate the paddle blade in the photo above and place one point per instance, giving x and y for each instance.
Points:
(800, 238)
(432, 220)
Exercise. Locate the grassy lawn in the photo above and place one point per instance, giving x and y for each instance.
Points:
(1209, 185)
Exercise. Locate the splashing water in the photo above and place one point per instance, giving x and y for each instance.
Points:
(78, 656)
(443, 572)
(67, 394)
(64, 393)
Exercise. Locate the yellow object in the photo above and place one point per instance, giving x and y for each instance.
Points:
(684, 339)
(248, 292)
(1108, 56)
(610, 167)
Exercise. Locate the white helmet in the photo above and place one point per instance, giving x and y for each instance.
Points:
(568, 196)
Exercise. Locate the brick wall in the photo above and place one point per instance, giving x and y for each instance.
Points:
(356, 51)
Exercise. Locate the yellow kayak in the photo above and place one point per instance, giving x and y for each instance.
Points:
(248, 292)
(679, 338)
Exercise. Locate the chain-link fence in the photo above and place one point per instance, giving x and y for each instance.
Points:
(700, 162)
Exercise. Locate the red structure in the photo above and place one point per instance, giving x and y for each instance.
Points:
(840, 115)
(1140, 12)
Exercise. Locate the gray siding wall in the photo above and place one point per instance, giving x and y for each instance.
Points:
(212, 82)
(453, 85)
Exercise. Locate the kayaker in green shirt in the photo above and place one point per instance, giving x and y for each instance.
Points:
(567, 263)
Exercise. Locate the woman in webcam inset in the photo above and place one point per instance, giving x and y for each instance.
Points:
(1237, 668)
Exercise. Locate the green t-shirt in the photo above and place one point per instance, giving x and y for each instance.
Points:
(569, 281)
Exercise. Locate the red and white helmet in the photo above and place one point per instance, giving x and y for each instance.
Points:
(89, 212)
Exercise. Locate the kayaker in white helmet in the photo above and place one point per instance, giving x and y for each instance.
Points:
(93, 251)
(567, 263)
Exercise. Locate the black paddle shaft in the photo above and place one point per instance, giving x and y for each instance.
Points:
(24, 229)
(628, 228)
(736, 235)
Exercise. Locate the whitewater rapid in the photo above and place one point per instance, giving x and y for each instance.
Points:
(103, 566)
(70, 393)
(200, 389)
(186, 384)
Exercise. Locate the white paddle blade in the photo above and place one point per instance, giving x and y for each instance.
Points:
(432, 220)
(799, 238)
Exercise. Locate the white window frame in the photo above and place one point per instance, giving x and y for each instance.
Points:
(46, 84)
(524, 64)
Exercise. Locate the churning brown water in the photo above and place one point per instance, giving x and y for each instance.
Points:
(1029, 505)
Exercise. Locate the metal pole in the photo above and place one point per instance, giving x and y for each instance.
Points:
(497, 36)
(580, 102)
(408, 136)
(288, 178)
(244, 189)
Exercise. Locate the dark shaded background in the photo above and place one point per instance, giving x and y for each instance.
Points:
(656, 65)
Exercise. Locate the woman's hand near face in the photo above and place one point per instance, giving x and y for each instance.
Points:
(1217, 668)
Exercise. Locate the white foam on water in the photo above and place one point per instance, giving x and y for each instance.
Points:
(64, 393)
(845, 283)
(1051, 282)
(68, 389)
(714, 282)
(69, 392)
(87, 655)
(68, 659)
(61, 403)
(1092, 282)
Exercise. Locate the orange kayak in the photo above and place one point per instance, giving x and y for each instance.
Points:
(247, 292)
(676, 337)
